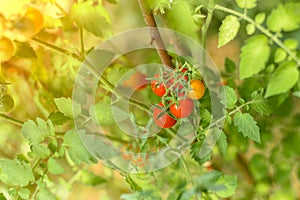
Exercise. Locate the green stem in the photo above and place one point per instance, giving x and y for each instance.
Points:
(206, 25)
(81, 41)
(262, 29)
(57, 49)
(74, 178)
(229, 114)
(205, 29)
(187, 171)
(12, 120)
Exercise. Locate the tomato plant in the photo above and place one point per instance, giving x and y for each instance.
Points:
(73, 127)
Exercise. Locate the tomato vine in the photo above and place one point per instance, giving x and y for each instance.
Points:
(247, 151)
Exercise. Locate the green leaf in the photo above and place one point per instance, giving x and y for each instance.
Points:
(246, 3)
(206, 181)
(291, 44)
(229, 184)
(159, 5)
(133, 185)
(24, 193)
(197, 155)
(212, 137)
(16, 173)
(181, 18)
(260, 105)
(255, 47)
(187, 194)
(222, 143)
(90, 18)
(54, 167)
(205, 117)
(58, 118)
(270, 68)
(279, 55)
(24, 50)
(76, 149)
(41, 151)
(284, 17)
(112, 1)
(2, 196)
(44, 193)
(230, 97)
(37, 132)
(91, 179)
(52, 145)
(67, 107)
(247, 126)
(260, 18)
(6, 103)
(250, 29)
(102, 112)
(229, 65)
(284, 78)
(140, 195)
(228, 30)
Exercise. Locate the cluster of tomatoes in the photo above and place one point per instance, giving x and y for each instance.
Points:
(178, 91)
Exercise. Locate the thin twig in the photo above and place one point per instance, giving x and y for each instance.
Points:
(12, 120)
(156, 38)
(92, 69)
(205, 29)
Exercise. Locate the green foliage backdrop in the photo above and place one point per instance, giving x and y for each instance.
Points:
(255, 44)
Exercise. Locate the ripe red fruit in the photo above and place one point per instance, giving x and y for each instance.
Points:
(157, 87)
(163, 120)
(183, 109)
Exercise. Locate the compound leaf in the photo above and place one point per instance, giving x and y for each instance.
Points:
(247, 126)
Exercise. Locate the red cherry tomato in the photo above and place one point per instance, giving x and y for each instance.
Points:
(157, 87)
(164, 120)
(183, 109)
(183, 70)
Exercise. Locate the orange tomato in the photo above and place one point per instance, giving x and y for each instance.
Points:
(36, 17)
(197, 90)
(29, 25)
(7, 49)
